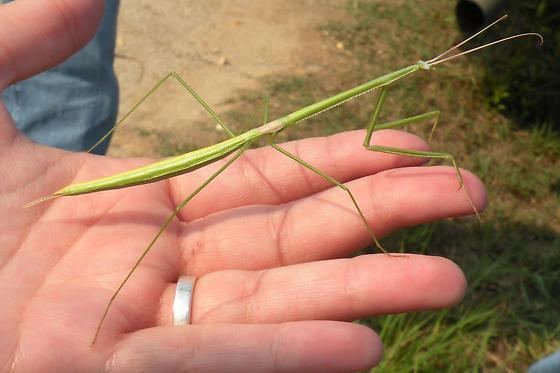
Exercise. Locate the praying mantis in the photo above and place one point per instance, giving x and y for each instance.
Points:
(236, 145)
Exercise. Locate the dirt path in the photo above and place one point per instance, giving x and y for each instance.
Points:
(219, 47)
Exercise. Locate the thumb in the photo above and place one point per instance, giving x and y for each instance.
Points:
(35, 35)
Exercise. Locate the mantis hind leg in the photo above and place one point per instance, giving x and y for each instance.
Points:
(186, 86)
(373, 125)
(162, 229)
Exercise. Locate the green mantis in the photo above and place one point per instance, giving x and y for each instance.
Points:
(237, 144)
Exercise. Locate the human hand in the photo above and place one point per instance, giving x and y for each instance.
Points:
(264, 240)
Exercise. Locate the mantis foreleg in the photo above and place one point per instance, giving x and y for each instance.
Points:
(372, 126)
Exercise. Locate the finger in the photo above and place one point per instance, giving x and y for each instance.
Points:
(326, 225)
(36, 35)
(342, 289)
(265, 176)
(8, 132)
(292, 347)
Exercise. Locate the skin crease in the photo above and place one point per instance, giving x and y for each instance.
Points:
(274, 291)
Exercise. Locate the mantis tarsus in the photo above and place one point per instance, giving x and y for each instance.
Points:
(237, 144)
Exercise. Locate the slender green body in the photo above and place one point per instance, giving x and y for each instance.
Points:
(191, 161)
(164, 169)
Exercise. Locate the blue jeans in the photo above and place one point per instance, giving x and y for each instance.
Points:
(549, 364)
(74, 104)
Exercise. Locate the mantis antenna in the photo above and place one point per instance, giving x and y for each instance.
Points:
(439, 59)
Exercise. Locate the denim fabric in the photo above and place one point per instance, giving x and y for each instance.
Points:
(72, 105)
(549, 364)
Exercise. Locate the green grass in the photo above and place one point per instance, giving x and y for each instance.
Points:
(509, 316)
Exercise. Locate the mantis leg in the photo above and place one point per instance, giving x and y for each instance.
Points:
(163, 228)
(187, 86)
(372, 126)
(324, 176)
(335, 183)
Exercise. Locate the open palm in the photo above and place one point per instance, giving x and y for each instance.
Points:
(264, 240)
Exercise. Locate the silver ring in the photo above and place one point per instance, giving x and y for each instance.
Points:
(182, 304)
